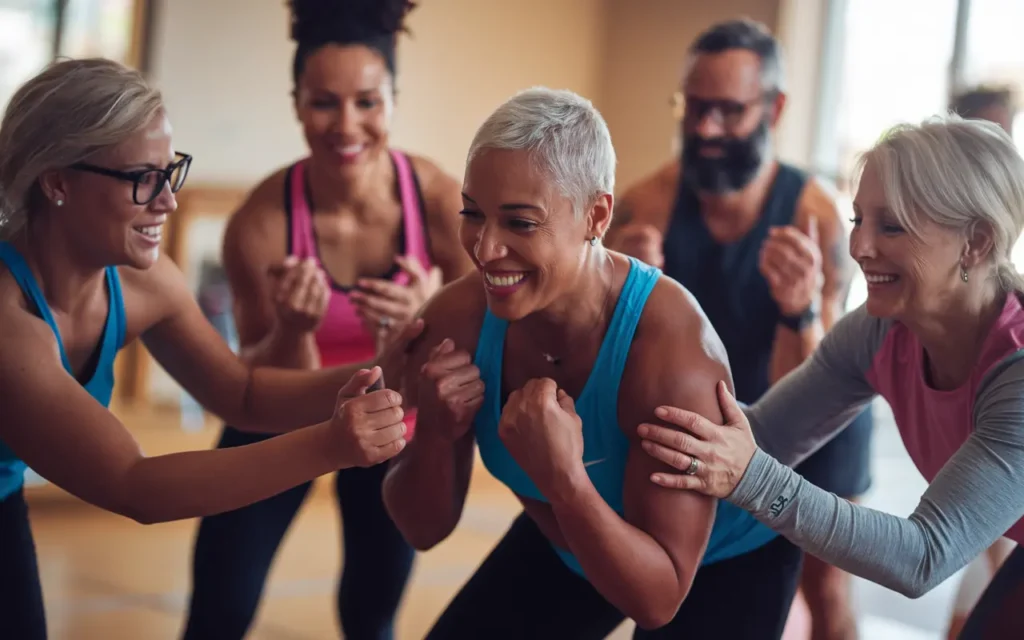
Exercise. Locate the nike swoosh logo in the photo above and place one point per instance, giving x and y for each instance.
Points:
(593, 462)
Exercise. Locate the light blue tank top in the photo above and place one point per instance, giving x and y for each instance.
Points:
(99, 382)
(605, 446)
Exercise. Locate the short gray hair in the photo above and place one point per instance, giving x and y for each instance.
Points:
(63, 115)
(957, 173)
(564, 134)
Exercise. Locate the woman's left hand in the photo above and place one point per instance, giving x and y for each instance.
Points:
(386, 306)
(540, 428)
(712, 457)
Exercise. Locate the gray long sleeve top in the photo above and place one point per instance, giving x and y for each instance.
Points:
(968, 443)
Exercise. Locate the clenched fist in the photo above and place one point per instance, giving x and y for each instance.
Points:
(367, 426)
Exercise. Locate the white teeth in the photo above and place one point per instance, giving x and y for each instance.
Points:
(350, 150)
(150, 232)
(874, 279)
(504, 281)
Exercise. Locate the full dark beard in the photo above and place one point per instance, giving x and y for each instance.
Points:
(739, 163)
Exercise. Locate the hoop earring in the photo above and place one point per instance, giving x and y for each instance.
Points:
(963, 273)
(593, 241)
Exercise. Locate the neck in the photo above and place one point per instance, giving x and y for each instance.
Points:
(334, 192)
(731, 215)
(576, 317)
(952, 339)
(67, 276)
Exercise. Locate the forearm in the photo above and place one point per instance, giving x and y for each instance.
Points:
(790, 348)
(277, 400)
(426, 487)
(902, 554)
(202, 483)
(625, 564)
(284, 349)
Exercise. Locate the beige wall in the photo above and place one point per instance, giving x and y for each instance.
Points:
(232, 109)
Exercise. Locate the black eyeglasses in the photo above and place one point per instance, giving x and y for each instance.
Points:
(147, 183)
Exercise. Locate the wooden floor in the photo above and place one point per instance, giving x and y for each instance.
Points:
(105, 577)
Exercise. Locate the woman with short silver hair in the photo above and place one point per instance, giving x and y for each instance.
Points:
(938, 210)
(88, 174)
(547, 359)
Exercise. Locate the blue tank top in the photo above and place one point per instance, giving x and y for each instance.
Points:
(98, 380)
(605, 446)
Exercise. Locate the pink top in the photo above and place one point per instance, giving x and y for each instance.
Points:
(342, 338)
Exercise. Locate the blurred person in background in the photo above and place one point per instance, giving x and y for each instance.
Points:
(762, 248)
(326, 258)
(88, 173)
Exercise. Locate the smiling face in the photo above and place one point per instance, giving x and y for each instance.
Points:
(101, 209)
(521, 233)
(344, 101)
(908, 275)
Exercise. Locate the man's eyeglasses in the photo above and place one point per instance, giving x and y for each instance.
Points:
(147, 183)
(729, 113)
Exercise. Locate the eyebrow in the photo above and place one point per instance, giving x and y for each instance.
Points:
(509, 206)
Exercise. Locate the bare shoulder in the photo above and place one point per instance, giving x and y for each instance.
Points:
(676, 355)
(26, 340)
(456, 312)
(650, 199)
(440, 188)
(259, 225)
(821, 202)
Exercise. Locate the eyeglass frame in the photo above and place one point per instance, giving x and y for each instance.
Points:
(677, 101)
(182, 160)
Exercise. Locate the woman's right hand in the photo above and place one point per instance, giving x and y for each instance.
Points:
(367, 428)
(450, 390)
(300, 293)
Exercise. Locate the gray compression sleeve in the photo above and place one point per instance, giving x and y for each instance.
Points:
(973, 500)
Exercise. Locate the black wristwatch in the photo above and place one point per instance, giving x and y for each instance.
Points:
(801, 321)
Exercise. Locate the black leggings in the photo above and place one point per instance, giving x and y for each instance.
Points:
(233, 552)
(22, 614)
(524, 590)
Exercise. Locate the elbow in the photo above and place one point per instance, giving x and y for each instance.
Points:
(651, 616)
(915, 588)
(656, 612)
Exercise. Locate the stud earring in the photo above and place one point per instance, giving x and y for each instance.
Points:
(593, 241)
(59, 203)
(963, 272)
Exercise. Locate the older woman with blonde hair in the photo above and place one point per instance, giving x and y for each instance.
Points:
(88, 174)
(938, 210)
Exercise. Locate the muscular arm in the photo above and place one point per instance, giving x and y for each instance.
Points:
(254, 240)
(60, 431)
(425, 488)
(973, 500)
(791, 348)
(644, 563)
(195, 355)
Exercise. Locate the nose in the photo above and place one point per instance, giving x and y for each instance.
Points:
(709, 126)
(349, 119)
(165, 201)
(489, 245)
(862, 244)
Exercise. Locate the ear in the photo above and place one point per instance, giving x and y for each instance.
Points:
(776, 107)
(54, 186)
(980, 241)
(600, 216)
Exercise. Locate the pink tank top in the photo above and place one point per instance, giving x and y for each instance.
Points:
(341, 338)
